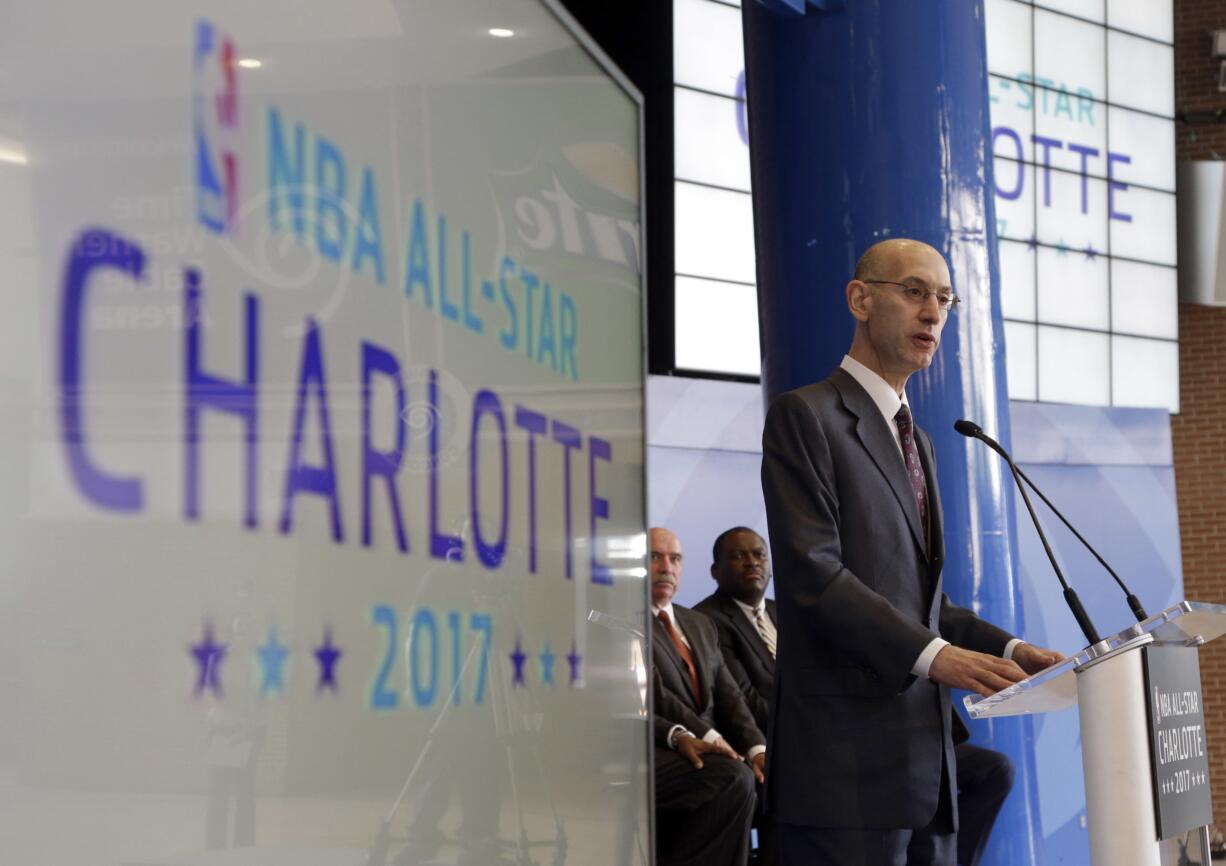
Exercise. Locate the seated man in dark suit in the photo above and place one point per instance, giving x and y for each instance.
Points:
(744, 615)
(704, 788)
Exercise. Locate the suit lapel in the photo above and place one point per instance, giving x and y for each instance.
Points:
(674, 657)
(747, 629)
(877, 439)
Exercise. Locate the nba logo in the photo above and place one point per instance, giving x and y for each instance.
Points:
(215, 127)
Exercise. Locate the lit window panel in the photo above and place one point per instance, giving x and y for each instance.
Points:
(1021, 361)
(1145, 373)
(1072, 289)
(1152, 18)
(717, 327)
(714, 233)
(1074, 366)
(1140, 74)
(707, 137)
(1144, 299)
(1017, 280)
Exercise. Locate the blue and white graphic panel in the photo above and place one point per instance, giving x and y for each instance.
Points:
(321, 390)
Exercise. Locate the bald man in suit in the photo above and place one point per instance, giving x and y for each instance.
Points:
(862, 769)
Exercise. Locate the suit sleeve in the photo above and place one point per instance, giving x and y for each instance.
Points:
(732, 716)
(758, 705)
(671, 710)
(802, 509)
(962, 627)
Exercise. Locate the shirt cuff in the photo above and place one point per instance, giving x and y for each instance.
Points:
(920, 668)
(1010, 647)
(711, 736)
(674, 732)
(754, 752)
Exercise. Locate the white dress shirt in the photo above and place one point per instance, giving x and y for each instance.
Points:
(888, 402)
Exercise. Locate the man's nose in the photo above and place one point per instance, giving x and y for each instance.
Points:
(930, 309)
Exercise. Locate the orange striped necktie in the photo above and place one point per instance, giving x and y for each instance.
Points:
(683, 651)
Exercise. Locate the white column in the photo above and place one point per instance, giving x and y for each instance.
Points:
(1115, 756)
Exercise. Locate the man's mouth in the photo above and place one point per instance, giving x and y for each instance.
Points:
(924, 341)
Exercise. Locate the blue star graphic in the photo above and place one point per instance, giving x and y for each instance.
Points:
(1061, 248)
(1091, 253)
(327, 654)
(517, 660)
(546, 658)
(272, 655)
(574, 658)
(1033, 242)
(209, 656)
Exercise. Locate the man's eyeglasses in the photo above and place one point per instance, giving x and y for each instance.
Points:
(915, 294)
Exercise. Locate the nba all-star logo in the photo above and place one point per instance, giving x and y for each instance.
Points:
(215, 127)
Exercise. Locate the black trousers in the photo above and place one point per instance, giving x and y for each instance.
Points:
(932, 845)
(985, 778)
(702, 816)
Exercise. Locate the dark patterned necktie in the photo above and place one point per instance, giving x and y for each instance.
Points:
(684, 651)
(915, 471)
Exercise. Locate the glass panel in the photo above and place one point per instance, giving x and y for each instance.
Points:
(1017, 266)
(1140, 74)
(1144, 299)
(1070, 132)
(714, 232)
(1143, 224)
(1020, 360)
(1152, 18)
(1074, 367)
(1092, 9)
(717, 327)
(1068, 55)
(1149, 144)
(259, 653)
(1009, 38)
(1014, 199)
(1072, 211)
(708, 52)
(1012, 112)
(1072, 289)
(1145, 373)
(707, 138)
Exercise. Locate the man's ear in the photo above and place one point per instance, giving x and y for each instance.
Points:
(713, 577)
(859, 300)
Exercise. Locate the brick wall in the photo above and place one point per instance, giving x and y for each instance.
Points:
(1197, 432)
(1200, 479)
(1196, 79)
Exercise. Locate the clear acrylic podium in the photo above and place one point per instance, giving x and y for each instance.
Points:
(1107, 682)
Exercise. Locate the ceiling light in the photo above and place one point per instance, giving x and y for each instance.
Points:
(501, 32)
(250, 63)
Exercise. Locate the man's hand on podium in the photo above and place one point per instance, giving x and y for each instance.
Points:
(976, 672)
(1033, 659)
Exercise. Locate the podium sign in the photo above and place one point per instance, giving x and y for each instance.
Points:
(1179, 754)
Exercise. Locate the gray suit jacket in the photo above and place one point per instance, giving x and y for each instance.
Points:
(748, 658)
(721, 704)
(855, 739)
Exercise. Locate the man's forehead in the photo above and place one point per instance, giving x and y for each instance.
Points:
(664, 541)
(745, 538)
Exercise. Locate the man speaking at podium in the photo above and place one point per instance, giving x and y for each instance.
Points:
(861, 764)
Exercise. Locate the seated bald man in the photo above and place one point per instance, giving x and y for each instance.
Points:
(709, 752)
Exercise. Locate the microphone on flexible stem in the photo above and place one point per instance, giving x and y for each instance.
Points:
(1134, 603)
(973, 431)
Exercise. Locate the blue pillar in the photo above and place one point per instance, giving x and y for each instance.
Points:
(869, 120)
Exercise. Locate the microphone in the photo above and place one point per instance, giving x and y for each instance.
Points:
(973, 431)
(968, 428)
